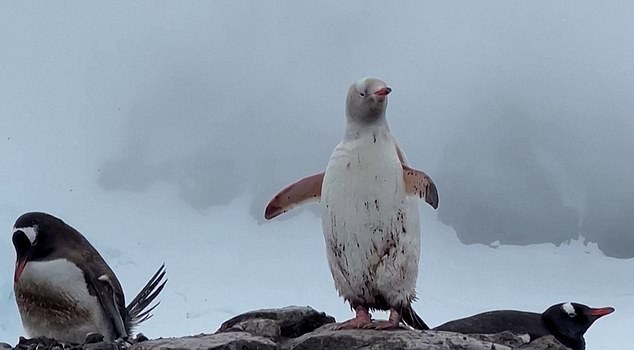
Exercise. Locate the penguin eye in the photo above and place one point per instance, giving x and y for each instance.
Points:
(572, 315)
(362, 94)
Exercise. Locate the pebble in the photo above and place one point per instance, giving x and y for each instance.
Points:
(94, 341)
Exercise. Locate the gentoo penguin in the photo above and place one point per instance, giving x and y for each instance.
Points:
(65, 290)
(567, 322)
(369, 213)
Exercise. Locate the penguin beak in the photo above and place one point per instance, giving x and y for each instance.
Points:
(20, 264)
(600, 312)
(383, 91)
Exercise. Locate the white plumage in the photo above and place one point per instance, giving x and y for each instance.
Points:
(370, 225)
(369, 212)
(47, 289)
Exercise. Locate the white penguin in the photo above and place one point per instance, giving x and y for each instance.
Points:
(369, 213)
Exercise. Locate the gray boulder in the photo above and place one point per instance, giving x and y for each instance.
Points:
(303, 328)
(222, 341)
(287, 322)
(548, 342)
(328, 338)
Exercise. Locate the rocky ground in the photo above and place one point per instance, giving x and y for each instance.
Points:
(302, 328)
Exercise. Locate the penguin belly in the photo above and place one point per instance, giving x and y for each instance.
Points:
(371, 227)
(54, 302)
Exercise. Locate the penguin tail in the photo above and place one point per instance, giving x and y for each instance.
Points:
(139, 309)
(412, 319)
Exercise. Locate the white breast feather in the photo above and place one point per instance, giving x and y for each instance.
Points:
(67, 281)
(370, 225)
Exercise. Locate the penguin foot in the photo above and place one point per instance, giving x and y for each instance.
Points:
(392, 323)
(381, 325)
(361, 320)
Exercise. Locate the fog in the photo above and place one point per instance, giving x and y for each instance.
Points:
(521, 112)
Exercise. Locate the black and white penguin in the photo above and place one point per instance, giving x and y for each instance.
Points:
(567, 322)
(65, 290)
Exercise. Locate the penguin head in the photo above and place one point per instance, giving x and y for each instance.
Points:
(367, 100)
(33, 238)
(568, 322)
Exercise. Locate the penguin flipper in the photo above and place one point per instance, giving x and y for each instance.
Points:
(412, 319)
(110, 298)
(419, 184)
(305, 190)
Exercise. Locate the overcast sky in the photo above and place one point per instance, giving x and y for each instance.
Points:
(522, 112)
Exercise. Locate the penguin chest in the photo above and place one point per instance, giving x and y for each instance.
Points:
(370, 225)
(54, 301)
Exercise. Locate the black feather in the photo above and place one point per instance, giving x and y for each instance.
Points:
(137, 310)
(412, 319)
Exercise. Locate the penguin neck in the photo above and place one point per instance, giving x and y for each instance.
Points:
(358, 129)
(572, 340)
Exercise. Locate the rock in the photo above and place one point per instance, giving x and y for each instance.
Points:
(140, 337)
(102, 345)
(328, 338)
(292, 322)
(93, 338)
(94, 341)
(302, 328)
(506, 338)
(544, 343)
(219, 341)
(258, 326)
(41, 343)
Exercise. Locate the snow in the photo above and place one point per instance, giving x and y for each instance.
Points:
(221, 262)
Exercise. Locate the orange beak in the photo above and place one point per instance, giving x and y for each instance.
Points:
(601, 311)
(19, 268)
(383, 92)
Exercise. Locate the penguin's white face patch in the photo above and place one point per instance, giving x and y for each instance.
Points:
(104, 278)
(569, 309)
(30, 232)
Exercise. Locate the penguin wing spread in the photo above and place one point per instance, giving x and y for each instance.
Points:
(419, 184)
(305, 190)
(111, 300)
